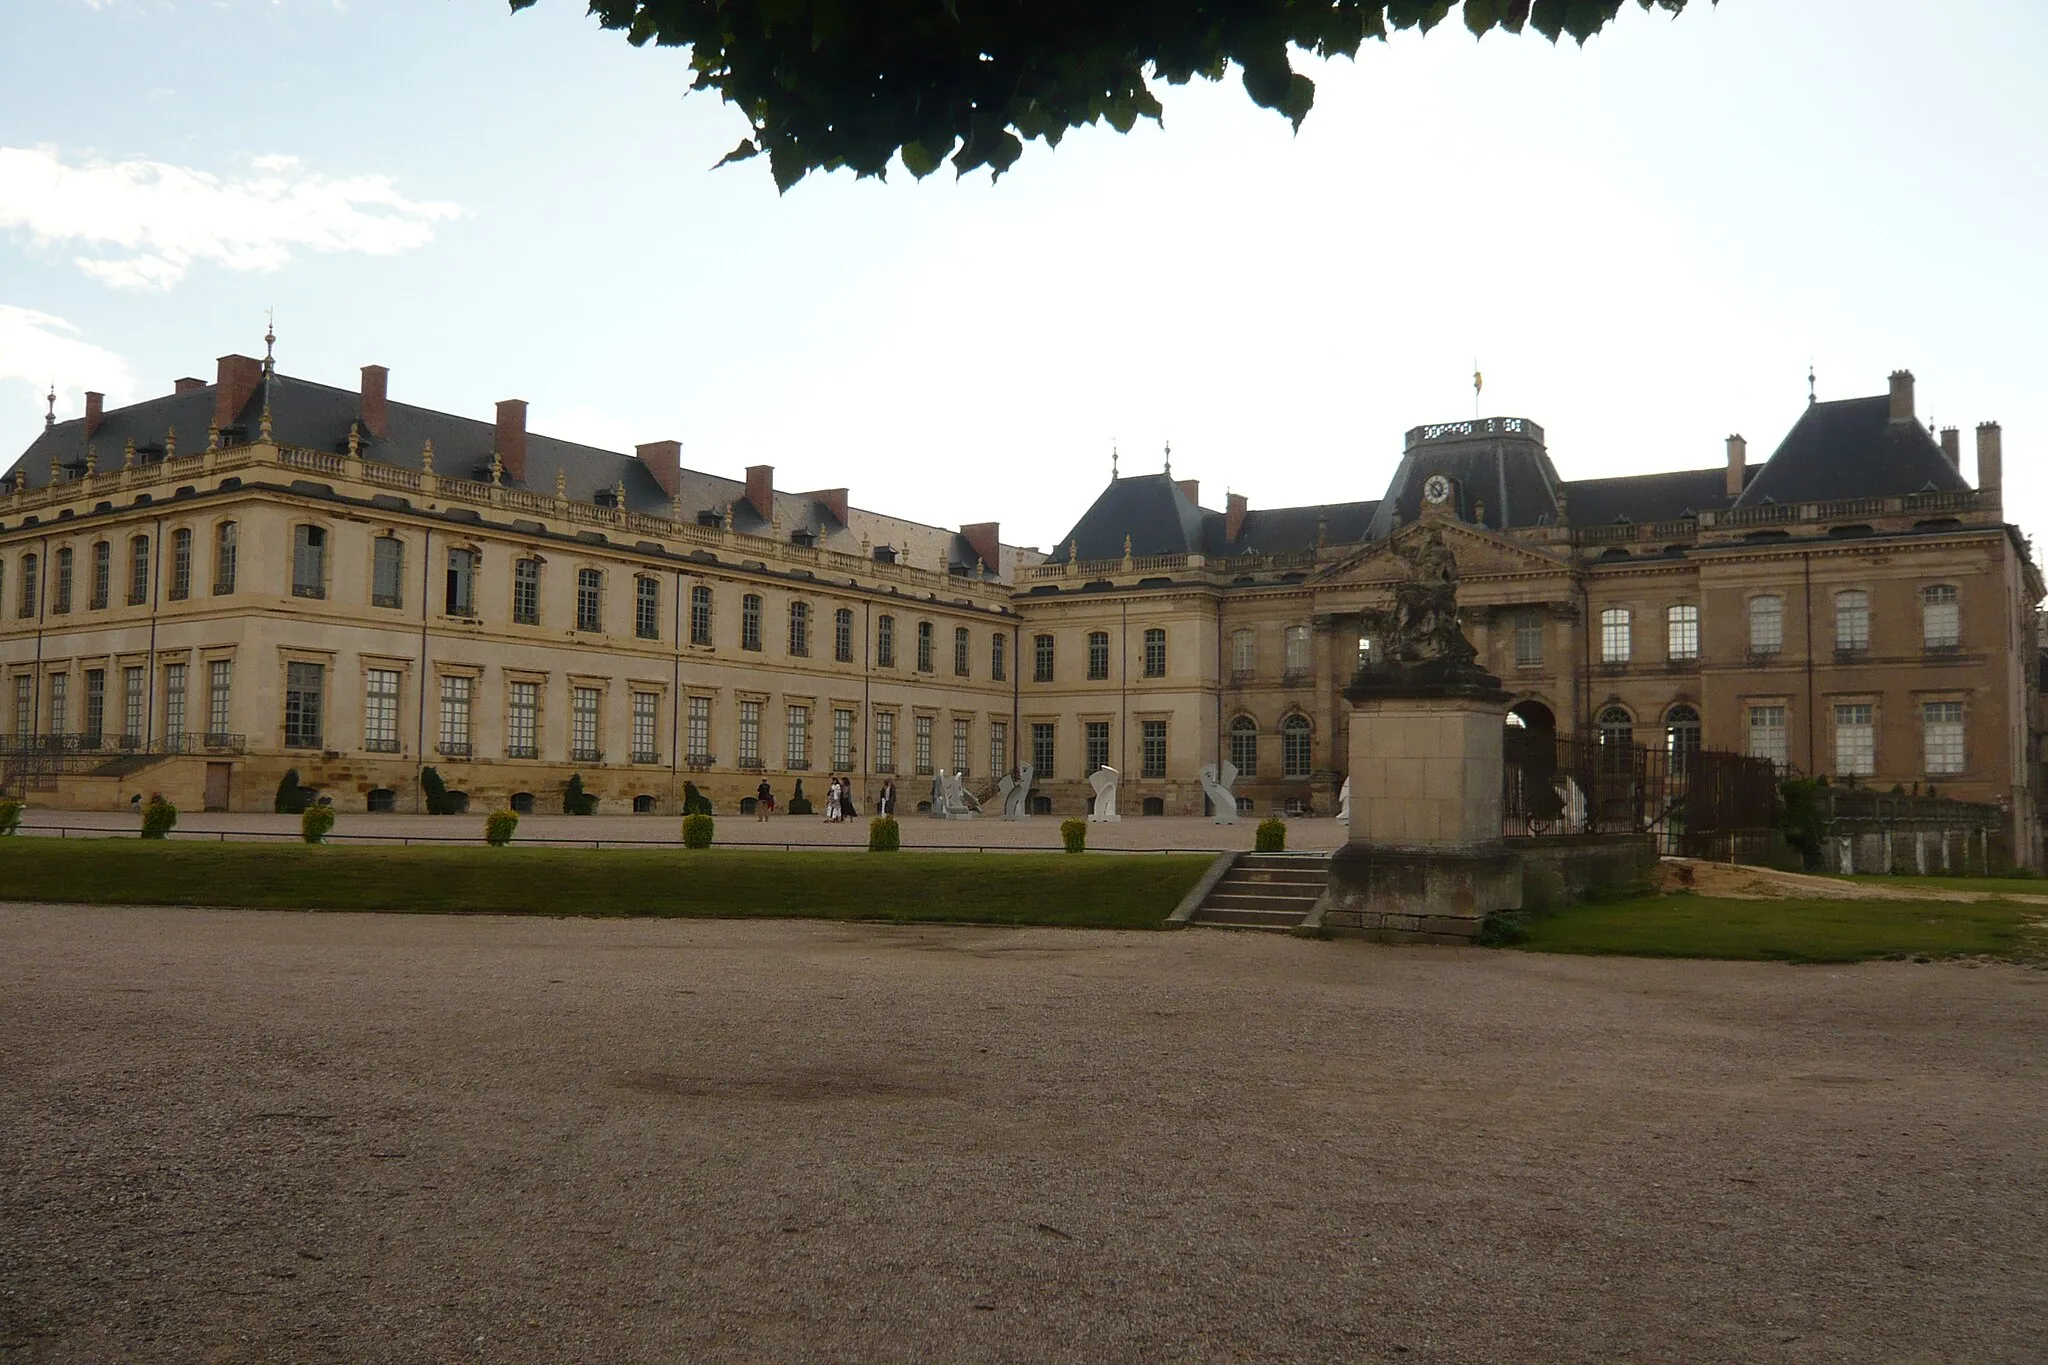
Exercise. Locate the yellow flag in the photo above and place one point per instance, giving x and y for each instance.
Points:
(1478, 381)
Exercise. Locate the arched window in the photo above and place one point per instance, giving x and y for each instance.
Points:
(27, 605)
(885, 642)
(1297, 748)
(1244, 746)
(750, 621)
(842, 635)
(1766, 625)
(700, 615)
(60, 582)
(924, 647)
(1617, 728)
(1941, 618)
(1682, 632)
(963, 645)
(1852, 619)
(138, 570)
(1098, 655)
(1244, 654)
(102, 572)
(225, 554)
(309, 561)
(799, 630)
(1682, 737)
(526, 591)
(1614, 635)
(1295, 653)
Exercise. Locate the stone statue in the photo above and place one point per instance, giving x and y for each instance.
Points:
(1423, 627)
(1222, 804)
(939, 794)
(1104, 780)
(1016, 794)
(1344, 802)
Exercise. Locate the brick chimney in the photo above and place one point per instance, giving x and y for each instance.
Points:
(376, 413)
(834, 500)
(1990, 456)
(510, 442)
(1738, 462)
(1902, 395)
(986, 538)
(95, 413)
(188, 385)
(238, 379)
(1191, 487)
(761, 490)
(1952, 446)
(664, 460)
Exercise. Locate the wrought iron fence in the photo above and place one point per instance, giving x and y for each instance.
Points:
(1690, 799)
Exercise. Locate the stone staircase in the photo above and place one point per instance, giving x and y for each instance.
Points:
(1266, 891)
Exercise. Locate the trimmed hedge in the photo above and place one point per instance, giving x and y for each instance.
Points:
(1074, 835)
(498, 827)
(1271, 837)
(315, 823)
(157, 818)
(10, 815)
(884, 834)
(697, 831)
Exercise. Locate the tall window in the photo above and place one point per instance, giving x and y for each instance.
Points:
(1041, 750)
(1617, 734)
(1094, 746)
(1155, 653)
(174, 702)
(1098, 655)
(305, 686)
(1614, 635)
(842, 738)
(1852, 620)
(387, 572)
(590, 600)
(997, 665)
(1942, 736)
(309, 561)
(220, 676)
(60, 686)
(26, 607)
(1681, 738)
(134, 697)
(226, 539)
(95, 707)
(646, 607)
(1297, 757)
(1528, 639)
(699, 718)
(522, 721)
(924, 647)
(138, 570)
(1682, 632)
(700, 614)
(963, 644)
(646, 727)
(1294, 642)
(842, 635)
(1941, 620)
(998, 747)
(24, 706)
(799, 630)
(1244, 654)
(750, 734)
(1041, 658)
(1152, 749)
(526, 592)
(1766, 624)
(1855, 740)
(750, 621)
(380, 711)
(181, 564)
(102, 572)
(456, 696)
(962, 737)
(461, 596)
(885, 642)
(1767, 733)
(583, 735)
(921, 732)
(1244, 746)
(797, 740)
(60, 583)
(885, 741)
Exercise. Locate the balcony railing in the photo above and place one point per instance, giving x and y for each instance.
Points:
(453, 749)
(699, 762)
(521, 751)
(646, 756)
(586, 755)
(380, 746)
(751, 764)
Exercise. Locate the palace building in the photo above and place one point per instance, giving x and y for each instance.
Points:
(202, 590)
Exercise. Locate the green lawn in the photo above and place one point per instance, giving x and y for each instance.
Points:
(1792, 930)
(1994, 886)
(1135, 892)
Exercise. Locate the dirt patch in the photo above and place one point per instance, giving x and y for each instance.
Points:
(1731, 881)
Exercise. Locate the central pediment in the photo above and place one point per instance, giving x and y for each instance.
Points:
(1480, 553)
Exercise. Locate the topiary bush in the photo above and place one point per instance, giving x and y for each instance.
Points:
(1271, 837)
(157, 818)
(436, 792)
(799, 804)
(10, 815)
(884, 834)
(576, 801)
(315, 823)
(697, 831)
(1074, 835)
(694, 801)
(292, 799)
(498, 827)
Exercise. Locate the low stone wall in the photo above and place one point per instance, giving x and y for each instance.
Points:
(1875, 832)
(1570, 867)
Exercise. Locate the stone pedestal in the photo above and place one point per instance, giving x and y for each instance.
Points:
(1425, 862)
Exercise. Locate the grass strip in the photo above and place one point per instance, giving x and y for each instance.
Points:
(1992, 886)
(992, 888)
(1792, 930)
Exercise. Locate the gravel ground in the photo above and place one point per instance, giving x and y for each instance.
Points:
(234, 1136)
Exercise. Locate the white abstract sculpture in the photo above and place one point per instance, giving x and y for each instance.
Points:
(1344, 802)
(1220, 800)
(960, 804)
(1104, 780)
(939, 794)
(1016, 794)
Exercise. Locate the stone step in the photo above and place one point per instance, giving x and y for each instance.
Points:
(1285, 860)
(1278, 876)
(1253, 900)
(1249, 919)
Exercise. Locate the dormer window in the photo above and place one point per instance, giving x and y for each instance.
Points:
(885, 554)
(711, 516)
(807, 539)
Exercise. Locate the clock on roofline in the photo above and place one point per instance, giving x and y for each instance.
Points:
(1436, 489)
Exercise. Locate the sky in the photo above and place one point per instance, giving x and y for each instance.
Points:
(1643, 244)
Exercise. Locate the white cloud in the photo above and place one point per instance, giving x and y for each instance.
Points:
(39, 350)
(148, 222)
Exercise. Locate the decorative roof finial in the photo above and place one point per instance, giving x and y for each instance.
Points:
(355, 439)
(171, 444)
(128, 452)
(1127, 547)
(561, 484)
(92, 460)
(1112, 460)
(1811, 395)
(50, 417)
(497, 468)
(427, 457)
(1169, 459)
(269, 338)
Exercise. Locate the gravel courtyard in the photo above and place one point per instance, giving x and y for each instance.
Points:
(230, 1136)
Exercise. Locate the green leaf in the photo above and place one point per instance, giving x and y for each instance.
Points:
(920, 160)
(739, 153)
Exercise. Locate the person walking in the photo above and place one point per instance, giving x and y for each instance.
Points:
(847, 809)
(885, 805)
(764, 800)
(832, 816)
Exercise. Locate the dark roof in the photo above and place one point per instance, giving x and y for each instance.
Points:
(1283, 530)
(1647, 497)
(1500, 479)
(1850, 448)
(1159, 518)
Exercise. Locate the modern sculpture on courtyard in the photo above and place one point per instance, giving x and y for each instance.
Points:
(1104, 780)
(1016, 793)
(1222, 801)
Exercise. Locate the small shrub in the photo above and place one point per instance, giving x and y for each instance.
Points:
(292, 799)
(1271, 837)
(884, 834)
(799, 804)
(576, 801)
(157, 818)
(498, 827)
(1074, 835)
(1504, 928)
(315, 823)
(10, 815)
(694, 801)
(697, 831)
(436, 792)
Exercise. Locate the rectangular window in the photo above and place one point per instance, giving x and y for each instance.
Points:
(1155, 653)
(220, 674)
(95, 707)
(797, 746)
(304, 686)
(1767, 733)
(309, 561)
(1244, 746)
(380, 711)
(26, 607)
(387, 572)
(1852, 620)
(700, 615)
(646, 608)
(456, 696)
(24, 706)
(583, 704)
(1941, 619)
(1943, 739)
(842, 739)
(1528, 639)
(60, 586)
(1682, 633)
(750, 734)
(885, 642)
(138, 571)
(998, 747)
(1041, 658)
(646, 727)
(134, 698)
(1615, 639)
(1041, 750)
(750, 622)
(1855, 740)
(60, 688)
(174, 701)
(962, 735)
(1094, 746)
(526, 592)
(225, 556)
(699, 721)
(181, 565)
(885, 741)
(924, 647)
(842, 636)
(462, 566)
(590, 600)
(522, 721)
(921, 732)
(102, 571)
(1098, 655)
(799, 630)
(1153, 740)
(1295, 662)
(997, 665)
(963, 643)
(1766, 625)
(1244, 654)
